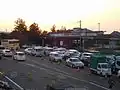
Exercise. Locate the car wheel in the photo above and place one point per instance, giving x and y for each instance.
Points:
(13, 58)
(66, 64)
(72, 66)
(82, 67)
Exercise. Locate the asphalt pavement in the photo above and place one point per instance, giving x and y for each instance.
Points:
(36, 72)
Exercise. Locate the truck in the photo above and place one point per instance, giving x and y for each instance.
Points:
(116, 64)
(99, 65)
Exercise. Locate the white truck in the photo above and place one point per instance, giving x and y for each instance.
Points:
(99, 65)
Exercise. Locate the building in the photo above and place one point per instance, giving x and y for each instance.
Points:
(74, 38)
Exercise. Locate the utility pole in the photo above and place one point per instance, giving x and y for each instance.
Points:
(6, 30)
(99, 26)
(80, 23)
(80, 35)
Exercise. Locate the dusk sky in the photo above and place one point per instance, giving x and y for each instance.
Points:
(62, 13)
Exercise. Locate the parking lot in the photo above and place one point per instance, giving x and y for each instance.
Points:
(36, 72)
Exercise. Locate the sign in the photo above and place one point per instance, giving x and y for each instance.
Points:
(61, 43)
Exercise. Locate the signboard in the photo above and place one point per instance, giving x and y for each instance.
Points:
(61, 43)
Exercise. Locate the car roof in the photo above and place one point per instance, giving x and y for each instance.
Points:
(19, 52)
(47, 47)
(38, 47)
(87, 53)
(72, 50)
(28, 48)
(53, 52)
(6, 50)
(60, 49)
(73, 58)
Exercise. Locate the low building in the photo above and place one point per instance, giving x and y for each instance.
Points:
(73, 38)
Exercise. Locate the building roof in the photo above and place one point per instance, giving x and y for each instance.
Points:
(76, 32)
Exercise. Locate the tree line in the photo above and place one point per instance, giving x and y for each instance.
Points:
(29, 35)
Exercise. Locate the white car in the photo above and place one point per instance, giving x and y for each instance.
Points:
(54, 56)
(7, 52)
(28, 51)
(74, 62)
(85, 57)
(118, 73)
(47, 50)
(20, 56)
(37, 51)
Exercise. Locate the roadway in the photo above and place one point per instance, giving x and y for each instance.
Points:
(43, 72)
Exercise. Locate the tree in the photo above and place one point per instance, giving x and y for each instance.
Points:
(20, 25)
(44, 32)
(34, 29)
(53, 29)
(63, 28)
(34, 33)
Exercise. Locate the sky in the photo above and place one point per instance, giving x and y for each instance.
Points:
(61, 13)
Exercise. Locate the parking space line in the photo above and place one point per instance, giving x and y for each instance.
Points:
(14, 83)
(69, 76)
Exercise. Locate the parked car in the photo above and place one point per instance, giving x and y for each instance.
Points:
(74, 62)
(20, 56)
(54, 56)
(118, 74)
(28, 51)
(47, 50)
(37, 51)
(85, 57)
(7, 52)
(25, 46)
(71, 53)
(4, 85)
(1, 48)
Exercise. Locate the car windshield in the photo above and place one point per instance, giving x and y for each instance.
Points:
(117, 57)
(75, 60)
(2, 47)
(57, 55)
(29, 49)
(118, 63)
(104, 66)
(38, 50)
(20, 54)
(87, 54)
(7, 51)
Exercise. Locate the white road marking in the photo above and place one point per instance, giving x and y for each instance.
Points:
(33, 70)
(69, 76)
(14, 83)
(50, 67)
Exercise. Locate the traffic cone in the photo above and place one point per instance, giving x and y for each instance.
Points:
(78, 69)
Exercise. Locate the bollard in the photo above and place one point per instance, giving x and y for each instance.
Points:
(30, 76)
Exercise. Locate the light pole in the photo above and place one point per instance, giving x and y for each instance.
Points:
(80, 35)
(99, 26)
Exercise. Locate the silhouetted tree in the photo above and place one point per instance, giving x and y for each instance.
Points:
(53, 29)
(20, 25)
(44, 32)
(35, 29)
(34, 33)
(63, 28)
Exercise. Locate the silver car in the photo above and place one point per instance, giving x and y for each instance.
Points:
(74, 62)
